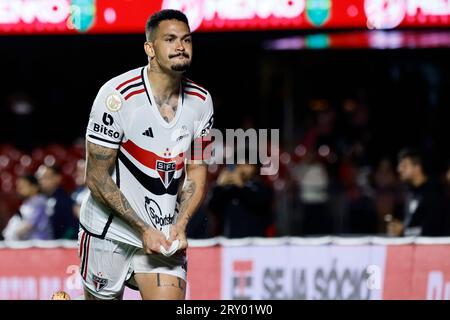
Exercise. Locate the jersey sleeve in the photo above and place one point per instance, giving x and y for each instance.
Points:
(201, 147)
(207, 120)
(105, 125)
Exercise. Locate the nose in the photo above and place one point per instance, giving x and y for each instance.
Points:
(180, 46)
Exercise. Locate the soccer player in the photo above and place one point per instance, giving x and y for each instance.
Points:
(142, 197)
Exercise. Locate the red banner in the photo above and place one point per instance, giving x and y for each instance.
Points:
(129, 16)
(389, 272)
(431, 276)
(204, 273)
(399, 269)
(419, 272)
(36, 273)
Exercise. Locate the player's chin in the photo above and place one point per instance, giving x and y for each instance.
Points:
(180, 67)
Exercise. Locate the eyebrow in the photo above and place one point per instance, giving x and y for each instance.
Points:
(174, 35)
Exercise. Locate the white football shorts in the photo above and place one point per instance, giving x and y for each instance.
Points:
(106, 266)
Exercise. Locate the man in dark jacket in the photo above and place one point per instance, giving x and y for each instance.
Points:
(241, 202)
(59, 204)
(425, 209)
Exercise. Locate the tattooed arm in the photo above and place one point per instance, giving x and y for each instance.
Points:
(190, 198)
(100, 165)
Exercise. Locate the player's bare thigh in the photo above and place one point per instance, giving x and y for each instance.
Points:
(160, 286)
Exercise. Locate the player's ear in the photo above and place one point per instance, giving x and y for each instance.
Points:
(149, 50)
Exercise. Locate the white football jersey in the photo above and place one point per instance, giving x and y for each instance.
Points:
(152, 153)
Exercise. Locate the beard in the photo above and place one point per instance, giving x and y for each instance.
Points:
(181, 67)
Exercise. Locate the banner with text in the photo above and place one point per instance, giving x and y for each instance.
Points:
(112, 16)
(364, 272)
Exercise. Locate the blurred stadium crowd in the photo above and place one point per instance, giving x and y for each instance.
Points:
(344, 116)
(326, 185)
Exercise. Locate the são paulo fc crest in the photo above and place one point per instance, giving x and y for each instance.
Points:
(166, 171)
(99, 282)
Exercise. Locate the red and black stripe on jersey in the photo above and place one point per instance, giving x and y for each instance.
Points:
(131, 87)
(191, 88)
(149, 160)
(84, 253)
(154, 185)
(196, 84)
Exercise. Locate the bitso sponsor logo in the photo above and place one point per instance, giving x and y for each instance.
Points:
(107, 119)
(100, 128)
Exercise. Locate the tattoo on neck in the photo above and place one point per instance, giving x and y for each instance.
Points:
(160, 102)
(166, 108)
(155, 69)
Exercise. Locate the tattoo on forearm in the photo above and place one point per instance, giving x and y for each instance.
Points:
(125, 204)
(102, 157)
(100, 165)
(186, 195)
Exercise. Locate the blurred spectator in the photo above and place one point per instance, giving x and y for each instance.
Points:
(59, 204)
(425, 209)
(21, 122)
(312, 179)
(241, 202)
(81, 190)
(361, 214)
(32, 221)
(387, 192)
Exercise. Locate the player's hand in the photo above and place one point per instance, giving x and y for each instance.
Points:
(395, 228)
(177, 232)
(230, 178)
(224, 178)
(152, 239)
